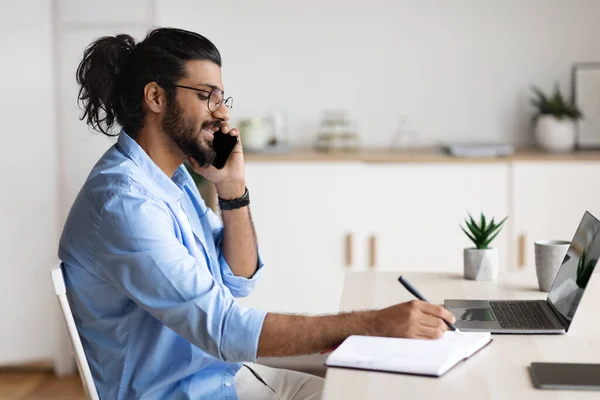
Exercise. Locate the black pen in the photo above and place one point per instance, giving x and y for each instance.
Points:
(419, 296)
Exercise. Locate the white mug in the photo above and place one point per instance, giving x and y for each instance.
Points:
(254, 133)
(549, 255)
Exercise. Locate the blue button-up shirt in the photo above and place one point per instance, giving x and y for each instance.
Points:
(151, 292)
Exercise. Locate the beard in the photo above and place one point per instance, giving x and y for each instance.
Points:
(182, 131)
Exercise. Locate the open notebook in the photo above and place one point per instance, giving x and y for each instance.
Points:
(411, 356)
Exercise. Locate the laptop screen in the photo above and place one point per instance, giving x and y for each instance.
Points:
(576, 269)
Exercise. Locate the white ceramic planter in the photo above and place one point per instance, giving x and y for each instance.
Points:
(555, 135)
(254, 134)
(480, 264)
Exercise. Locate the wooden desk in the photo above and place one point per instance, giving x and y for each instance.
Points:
(499, 371)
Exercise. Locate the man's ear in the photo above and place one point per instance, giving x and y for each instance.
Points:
(154, 97)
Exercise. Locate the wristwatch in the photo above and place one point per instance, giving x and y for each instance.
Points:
(234, 204)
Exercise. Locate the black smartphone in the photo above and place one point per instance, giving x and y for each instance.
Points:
(565, 376)
(223, 144)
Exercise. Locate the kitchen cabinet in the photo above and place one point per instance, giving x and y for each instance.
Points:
(414, 212)
(315, 220)
(308, 218)
(548, 201)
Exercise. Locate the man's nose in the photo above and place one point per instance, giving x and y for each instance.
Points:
(221, 113)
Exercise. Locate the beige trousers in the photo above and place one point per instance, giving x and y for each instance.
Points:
(279, 384)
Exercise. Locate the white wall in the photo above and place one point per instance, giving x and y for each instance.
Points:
(457, 69)
(454, 70)
(28, 182)
(77, 27)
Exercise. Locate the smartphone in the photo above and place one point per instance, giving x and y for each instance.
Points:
(565, 376)
(223, 144)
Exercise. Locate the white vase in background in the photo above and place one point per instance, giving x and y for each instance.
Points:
(555, 135)
(254, 133)
(480, 264)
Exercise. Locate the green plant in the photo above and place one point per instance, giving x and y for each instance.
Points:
(556, 104)
(483, 233)
(584, 270)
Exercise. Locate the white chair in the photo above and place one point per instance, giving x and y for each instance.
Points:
(82, 364)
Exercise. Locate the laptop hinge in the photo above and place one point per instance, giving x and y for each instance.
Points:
(563, 321)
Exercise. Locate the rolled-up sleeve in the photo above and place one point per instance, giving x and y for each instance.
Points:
(138, 251)
(238, 285)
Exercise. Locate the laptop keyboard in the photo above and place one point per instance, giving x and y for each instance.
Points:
(521, 315)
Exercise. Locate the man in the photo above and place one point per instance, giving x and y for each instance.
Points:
(152, 274)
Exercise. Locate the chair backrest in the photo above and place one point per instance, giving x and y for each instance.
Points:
(82, 364)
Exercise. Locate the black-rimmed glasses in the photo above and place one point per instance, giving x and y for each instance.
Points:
(214, 97)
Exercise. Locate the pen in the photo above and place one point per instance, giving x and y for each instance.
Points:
(419, 296)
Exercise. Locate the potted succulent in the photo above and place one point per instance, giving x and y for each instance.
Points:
(481, 262)
(555, 120)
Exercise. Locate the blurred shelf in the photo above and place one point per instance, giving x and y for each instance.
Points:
(425, 155)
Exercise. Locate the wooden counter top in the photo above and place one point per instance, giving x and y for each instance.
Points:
(426, 155)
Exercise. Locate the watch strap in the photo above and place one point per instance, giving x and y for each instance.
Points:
(234, 204)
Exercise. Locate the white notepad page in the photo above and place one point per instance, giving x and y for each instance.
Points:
(414, 356)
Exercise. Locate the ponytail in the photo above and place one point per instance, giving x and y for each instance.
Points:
(115, 70)
(99, 77)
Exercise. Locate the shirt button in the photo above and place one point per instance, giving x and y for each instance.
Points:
(227, 383)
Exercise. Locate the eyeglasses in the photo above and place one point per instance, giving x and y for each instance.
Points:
(214, 97)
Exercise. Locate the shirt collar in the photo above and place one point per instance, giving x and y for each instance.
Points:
(169, 188)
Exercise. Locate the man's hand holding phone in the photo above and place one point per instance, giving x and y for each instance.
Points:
(230, 180)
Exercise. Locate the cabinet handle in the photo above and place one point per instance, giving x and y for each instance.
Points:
(348, 249)
(522, 246)
(372, 251)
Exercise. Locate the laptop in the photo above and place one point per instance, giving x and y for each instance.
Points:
(553, 315)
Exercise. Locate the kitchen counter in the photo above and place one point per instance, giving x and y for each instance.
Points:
(424, 155)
